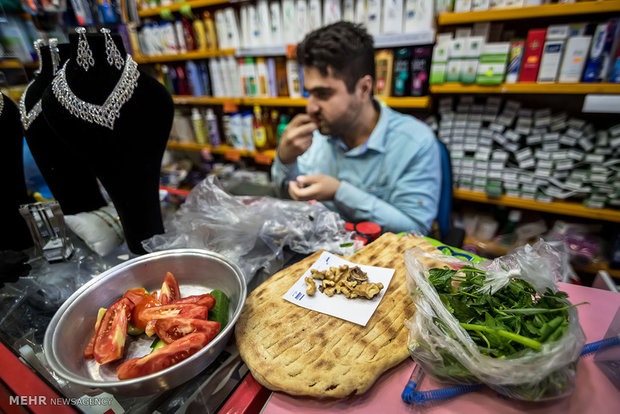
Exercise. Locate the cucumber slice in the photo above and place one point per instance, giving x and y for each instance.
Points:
(220, 312)
(133, 331)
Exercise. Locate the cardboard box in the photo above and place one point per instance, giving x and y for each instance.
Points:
(492, 65)
(531, 56)
(574, 60)
(517, 48)
(439, 63)
(550, 61)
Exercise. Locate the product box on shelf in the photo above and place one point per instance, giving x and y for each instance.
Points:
(439, 62)
(531, 57)
(420, 66)
(469, 65)
(574, 60)
(552, 52)
(516, 58)
(492, 65)
(455, 58)
(604, 47)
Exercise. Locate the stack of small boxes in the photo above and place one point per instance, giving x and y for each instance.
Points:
(531, 154)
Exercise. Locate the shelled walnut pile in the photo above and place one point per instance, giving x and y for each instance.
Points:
(352, 282)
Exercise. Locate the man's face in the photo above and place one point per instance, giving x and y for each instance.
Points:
(330, 104)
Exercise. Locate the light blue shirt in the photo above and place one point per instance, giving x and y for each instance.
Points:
(393, 179)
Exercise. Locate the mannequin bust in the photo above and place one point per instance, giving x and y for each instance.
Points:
(126, 155)
(14, 234)
(68, 176)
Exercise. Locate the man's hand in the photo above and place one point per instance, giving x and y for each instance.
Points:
(313, 187)
(296, 138)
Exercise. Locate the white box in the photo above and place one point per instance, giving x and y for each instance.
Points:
(550, 61)
(575, 57)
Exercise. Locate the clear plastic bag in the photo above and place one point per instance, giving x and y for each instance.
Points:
(439, 343)
(250, 231)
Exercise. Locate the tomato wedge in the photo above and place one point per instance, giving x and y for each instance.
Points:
(88, 351)
(110, 337)
(169, 290)
(164, 357)
(141, 300)
(172, 329)
(185, 310)
(207, 300)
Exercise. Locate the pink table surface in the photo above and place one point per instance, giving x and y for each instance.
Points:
(594, 392)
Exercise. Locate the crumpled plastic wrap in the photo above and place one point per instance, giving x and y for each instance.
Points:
(529, 375)
(250, 231)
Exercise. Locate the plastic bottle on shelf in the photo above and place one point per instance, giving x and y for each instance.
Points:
(198, 124)
(284, 119)
(271, 126)
(401, 72)
(251, 84)
(200, 34)
(182, 81)
(292, 74)
(178, 27)
(261, 73)
(258, 131)
(193, 77)
(210, 30)
(188, 34)
(214, 132)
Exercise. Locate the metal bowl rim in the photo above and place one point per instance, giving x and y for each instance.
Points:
(70, 376)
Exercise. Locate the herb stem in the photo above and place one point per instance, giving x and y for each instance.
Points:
(508, 335)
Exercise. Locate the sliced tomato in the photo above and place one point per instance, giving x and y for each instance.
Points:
(164, 357)
(141, 300)
(110, 338)
(184, 310)
(207, 300)
(169, 290)
(172, 329)
(154, 294)
(88, 351)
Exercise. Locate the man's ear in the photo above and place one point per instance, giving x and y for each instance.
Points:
(365, 85)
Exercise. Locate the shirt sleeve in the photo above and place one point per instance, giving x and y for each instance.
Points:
(412, 205)
(281, 174)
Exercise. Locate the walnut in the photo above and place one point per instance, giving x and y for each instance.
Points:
(368, 290)
(311, 289)
(348, 281)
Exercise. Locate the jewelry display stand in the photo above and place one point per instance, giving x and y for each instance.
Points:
(14, 234)
(68, 175)
(125, 152)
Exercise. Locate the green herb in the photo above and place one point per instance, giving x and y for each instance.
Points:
(502, 323)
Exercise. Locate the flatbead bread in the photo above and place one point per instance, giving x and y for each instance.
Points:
(303, 352)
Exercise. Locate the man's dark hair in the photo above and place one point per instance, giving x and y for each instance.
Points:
(345, 46)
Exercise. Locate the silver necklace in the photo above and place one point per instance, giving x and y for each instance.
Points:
(28, 117)
(106, 114)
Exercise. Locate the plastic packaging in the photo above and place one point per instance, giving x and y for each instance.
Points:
(531, 375)
(251, 231)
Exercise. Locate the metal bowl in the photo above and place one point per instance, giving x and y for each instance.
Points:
(197, 271)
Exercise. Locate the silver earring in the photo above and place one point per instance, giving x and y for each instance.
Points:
(84, 54)
(37, 47)
(53, 44)
(113, 54)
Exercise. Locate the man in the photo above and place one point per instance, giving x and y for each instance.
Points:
(360, 158)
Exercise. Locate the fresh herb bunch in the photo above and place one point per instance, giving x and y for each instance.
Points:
(506, 322)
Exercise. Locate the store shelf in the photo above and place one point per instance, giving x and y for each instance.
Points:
(298, 102)
(421, 37)
(202, 54)
(407, 102)
(262, 51)
(530, 88)
(203, 100)
(261, 157)
(177, 6)
(556, 207)
(547, 10)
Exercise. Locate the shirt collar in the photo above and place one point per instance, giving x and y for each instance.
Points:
(376, 141)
